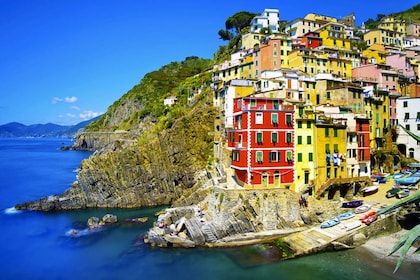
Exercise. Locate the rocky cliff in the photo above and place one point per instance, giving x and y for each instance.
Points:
(228, 214)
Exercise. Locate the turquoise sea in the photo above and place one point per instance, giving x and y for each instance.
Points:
(36, 245)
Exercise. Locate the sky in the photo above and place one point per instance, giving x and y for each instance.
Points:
(66, 61)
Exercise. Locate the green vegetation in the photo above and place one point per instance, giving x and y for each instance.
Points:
(179, 79)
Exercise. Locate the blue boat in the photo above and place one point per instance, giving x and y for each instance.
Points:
(330, 223)
(352, 204)
(412, 180)
(346, 215)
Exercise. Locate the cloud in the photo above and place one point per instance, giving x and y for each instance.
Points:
(74, 107)
(66, 99)
(88, 114)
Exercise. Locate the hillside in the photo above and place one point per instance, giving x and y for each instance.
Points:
(49, 130)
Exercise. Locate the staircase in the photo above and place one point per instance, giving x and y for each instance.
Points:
(210, 237)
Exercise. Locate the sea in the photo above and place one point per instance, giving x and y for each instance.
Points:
(38, 245)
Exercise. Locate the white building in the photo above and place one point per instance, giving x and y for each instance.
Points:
(408, 119)
(268, 19)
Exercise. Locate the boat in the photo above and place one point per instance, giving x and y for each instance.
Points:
(370, 190)
(362, 208)
(352, 204)
(365, 217)
(330, 223)
(351, 225)
(370, 219)
(346, 215)
(403, 193)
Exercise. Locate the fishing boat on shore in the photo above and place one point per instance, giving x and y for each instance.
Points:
(362, 208)
(352, 204)
(370, 190)
(346, 215)
(351, 225)
(330, 223)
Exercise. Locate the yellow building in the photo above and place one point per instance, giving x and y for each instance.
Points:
(335, 56)
(305, 147)
(239, 67)
(330, 144)
(390, 32)
(375, 54)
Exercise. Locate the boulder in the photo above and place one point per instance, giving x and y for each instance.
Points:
(109, 219)
(94, 222)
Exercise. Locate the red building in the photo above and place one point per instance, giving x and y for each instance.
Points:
(262, 142)
(363, 143)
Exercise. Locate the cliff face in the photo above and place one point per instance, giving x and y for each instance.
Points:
(156, 169)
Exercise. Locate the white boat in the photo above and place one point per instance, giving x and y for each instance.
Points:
(351, 225)
(370, 189)
(362, 208)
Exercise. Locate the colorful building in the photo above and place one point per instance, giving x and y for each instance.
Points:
(262, 142)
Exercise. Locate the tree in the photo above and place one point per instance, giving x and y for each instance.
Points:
(235, 24)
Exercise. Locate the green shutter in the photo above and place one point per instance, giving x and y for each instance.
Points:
(289, 137)
(274, 137)
(299, 139)
(309, 140)
(259, 156)
(259, 137)
(274, 119)
(288, 119)
(310, 157)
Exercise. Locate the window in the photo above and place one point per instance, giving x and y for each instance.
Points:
(405, 104)
(327, 132)
(289, 119)
(274, 137)
(259, 137)
(335, 148)
(275, 104)
(299, 157)
(289, 137)
(274, 119)
(259, 118)
(308, 139)
(289, 156)
(406, 116)
(259, 157)
(299, 124)
(235, 156)
(274, 157)
(327, 148)
(299, 139)
(238, 104)
(253, 103)
(328, 95)
(418, 117)
(308, 125)
(335, 132)
(232, 137)
(310, 157)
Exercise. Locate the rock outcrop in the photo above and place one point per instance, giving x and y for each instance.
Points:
(224, 214)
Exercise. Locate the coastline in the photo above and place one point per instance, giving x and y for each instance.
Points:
(374, 254)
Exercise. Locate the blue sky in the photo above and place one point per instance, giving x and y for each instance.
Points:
(65, 61)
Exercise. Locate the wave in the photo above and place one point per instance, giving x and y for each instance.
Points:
(12, 211)
(81, 232)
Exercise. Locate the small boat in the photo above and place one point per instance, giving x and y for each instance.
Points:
(370, 190)
(351, 225)
(365, 217)
(330, 223)
(352, 204)
(362, 208)
(346, 215)
(370, 219)
(403, 193)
